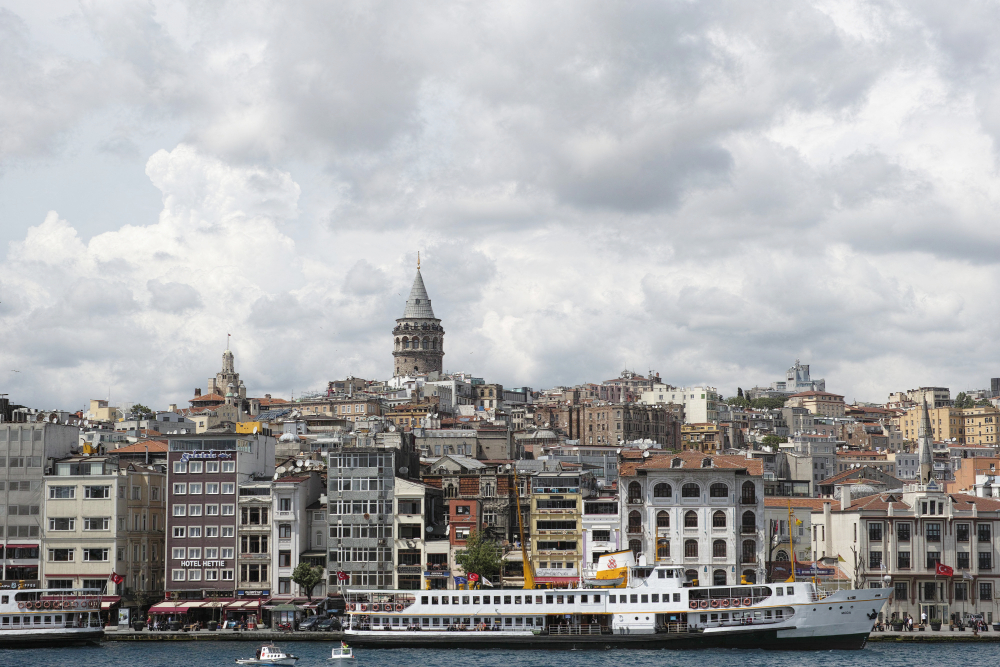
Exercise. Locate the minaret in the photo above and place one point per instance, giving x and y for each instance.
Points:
(418, 338)
(925, 445)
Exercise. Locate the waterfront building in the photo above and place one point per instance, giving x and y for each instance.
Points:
(556, 525)
(291, 495)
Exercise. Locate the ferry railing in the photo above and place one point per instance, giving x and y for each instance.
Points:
(585, 629)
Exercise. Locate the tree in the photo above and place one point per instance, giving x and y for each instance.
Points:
(772, 440)
(140, 410)
(963, 400)
(767, 403)
(480, 555)
(738, 400)
(739, 392)
(307, 576)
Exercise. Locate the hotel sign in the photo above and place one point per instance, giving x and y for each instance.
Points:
(187, 456)
(203, 563)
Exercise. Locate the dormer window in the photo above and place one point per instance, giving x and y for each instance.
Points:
(706, 463)
(676, 463)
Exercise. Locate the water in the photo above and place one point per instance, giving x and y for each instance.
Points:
(315, 654)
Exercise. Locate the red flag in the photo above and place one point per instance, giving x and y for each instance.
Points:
(117, 578)
(943, 570)
(343, 576)
(473, 576)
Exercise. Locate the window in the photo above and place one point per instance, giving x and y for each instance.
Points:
(177, 553)
(212, 487)
(91, 555)
(97, 523)
(226, 575)
(985, 560)
(194, 575)
(985, 590)
(662, 549)
(284, 559)
(662, 520)
(874, 531)
(194, 531)
(211, 510)
(903, 560)
(933, 558)
(136, 493)
(194, 510)
(719, 519)
(983, 532)
(227, 552)
(180, 510)
(229, 466)
(932, 532)
(194, 487)
(228, 531)
(961, 591)
(961, 532)
(194, 552)
(179, 531)
(211, 466)
(60, 555)
(900, 591)
(284, 504)
(963, 560)
(284, 530)
(719, 549)
(228, 487)
(211, 553)
(719, 490)
(195, 467)
(690, 548)
(690, 519)
(180, 467)
(62, 492)
(97, 492)
(690, 490)
(903, 532)
(662, 490)
(178, 575)
(211, 575)
(601, 535)
(228, 510)
(62, 524)
(875, 560)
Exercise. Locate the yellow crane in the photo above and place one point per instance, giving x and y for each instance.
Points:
(526, 566)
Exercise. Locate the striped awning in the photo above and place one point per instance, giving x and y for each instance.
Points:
(180, 607)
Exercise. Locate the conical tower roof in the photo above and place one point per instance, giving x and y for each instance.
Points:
(418, 305)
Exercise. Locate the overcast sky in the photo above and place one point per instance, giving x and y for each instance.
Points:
(709, 190)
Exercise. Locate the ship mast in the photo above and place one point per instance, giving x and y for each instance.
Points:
(528, 569)
(791, 548)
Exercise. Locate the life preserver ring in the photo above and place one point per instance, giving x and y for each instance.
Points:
(715, 604)
(399, 607)
(47, 604)
(376, 607)
(747, 602)
(725, 603)
(364, 607)
(20, 605)
(704, 604)
(38, 605)
(693, 604)
(736, 602)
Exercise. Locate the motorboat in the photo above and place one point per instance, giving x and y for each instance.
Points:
(269, 654)
(343, 652)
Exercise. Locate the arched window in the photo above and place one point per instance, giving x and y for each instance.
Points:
(691, 575)
(424, 326)
(690, 548)
(781, 556)
(719, 549)
(426, 344)
(719, 578)
(749, 554)
(635, 546)
(749, 494)
(662, 490)
(748, 523)
(690, 490)
(434, 344)
(406, 343)
(634, 522)
(750, 576)
(719, 519)
(662, 520)
(406, 327)
(690, 519)
(634, 492)
(719, 490)
(662, 549)
(397, 343)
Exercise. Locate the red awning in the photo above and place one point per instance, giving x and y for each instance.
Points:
(173, 607)
(109, 600)
(22, 546)
(557, 580)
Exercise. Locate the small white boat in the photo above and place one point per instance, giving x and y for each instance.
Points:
(344, 652)
(269, 654)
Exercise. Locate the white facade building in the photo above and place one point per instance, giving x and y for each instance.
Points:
(701, 403)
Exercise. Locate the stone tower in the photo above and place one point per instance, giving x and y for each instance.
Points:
(418, 337)
(925, 445)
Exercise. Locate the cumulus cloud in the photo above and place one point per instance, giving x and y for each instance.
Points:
(706, 190)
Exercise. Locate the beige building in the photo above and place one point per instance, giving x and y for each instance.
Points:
(556, 525)
(980, 424)
(820, 403)
(102, 517)
(946, 423)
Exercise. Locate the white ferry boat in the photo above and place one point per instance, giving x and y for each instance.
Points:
(657, 608)
(49, 617)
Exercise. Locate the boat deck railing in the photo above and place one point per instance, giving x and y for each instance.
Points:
(583, 629)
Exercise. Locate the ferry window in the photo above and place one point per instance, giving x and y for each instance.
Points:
(704, 618)
(548, 599)
(5, 599)
(38, 620)
(527, 599)
(611, 599)
(395, 621)
(17, 620)
(496, 599)
(645, 599)
(725, 616)
(508, 621)
(48, 620)
(538, 599)
(6, 620)
(779, 591)
(529, 621)
(662, 574)
(677, 597)
(58, 619)
(506, 599)
(425, 622)
(559, 599)
(454, 599)
(767, 613)
(790, 590)
(436, 621)
(465, 599)
(656, 597)
(779, 613)
(635, 599)
(715, 618)
(518, 621)
(583, 599)
(475, 599)
(434, 600)
(423, 599)
(570, 598)
(517, 599)
(444, 599)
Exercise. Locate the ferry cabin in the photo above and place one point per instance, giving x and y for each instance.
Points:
(658, 599)
(57, 612)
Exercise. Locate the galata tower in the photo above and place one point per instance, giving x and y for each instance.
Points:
(418, 336)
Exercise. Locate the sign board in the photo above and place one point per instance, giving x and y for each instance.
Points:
(123, 616)
(18, 585)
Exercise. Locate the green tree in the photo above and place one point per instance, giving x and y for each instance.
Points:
(141, 410)
(738, 400)
(984, 403)
(480, 555)
(307, 576)
(772, 441)
(767, 403)
(963, 400)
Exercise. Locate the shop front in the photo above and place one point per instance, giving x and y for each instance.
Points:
(243, 614)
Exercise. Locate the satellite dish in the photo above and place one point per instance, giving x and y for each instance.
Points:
(429, 529)
(404, 470)
(645, 455)
(298, 464)
(280, 469)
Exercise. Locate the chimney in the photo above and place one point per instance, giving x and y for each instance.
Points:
(197, 392)
(845, 497)
(172, 407)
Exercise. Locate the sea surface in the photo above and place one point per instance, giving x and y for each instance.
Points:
(315, 654)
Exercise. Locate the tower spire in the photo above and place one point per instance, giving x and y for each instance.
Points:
(418, 260)
(925, 445)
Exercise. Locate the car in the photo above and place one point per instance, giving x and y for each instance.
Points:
(327, 625)
(309, 623)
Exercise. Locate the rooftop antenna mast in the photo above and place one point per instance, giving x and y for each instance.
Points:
(418, 260)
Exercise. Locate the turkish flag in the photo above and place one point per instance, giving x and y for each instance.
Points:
(117, 578)
(943, 570)
(473, 576)
(343, 576)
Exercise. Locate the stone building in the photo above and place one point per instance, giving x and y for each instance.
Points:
(418, 337)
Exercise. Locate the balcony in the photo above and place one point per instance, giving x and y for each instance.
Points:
(749, 530)
(634, 530)
(748, 500)
(748, 558)
(635, 501)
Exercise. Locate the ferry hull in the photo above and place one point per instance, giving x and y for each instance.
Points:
(50, 638)
(749, 639)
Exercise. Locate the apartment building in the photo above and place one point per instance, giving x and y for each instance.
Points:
(556, 525)
(705, 437)
(102, 516)
(946, 423)
(703, 513)
(701, 404)
(415, 505)
(820, 403)
(904, 534)
(26, 451)
(980, 425)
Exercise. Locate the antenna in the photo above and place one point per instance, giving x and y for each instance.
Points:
(418, 260)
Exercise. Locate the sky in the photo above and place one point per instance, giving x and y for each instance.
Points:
(706, 190)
